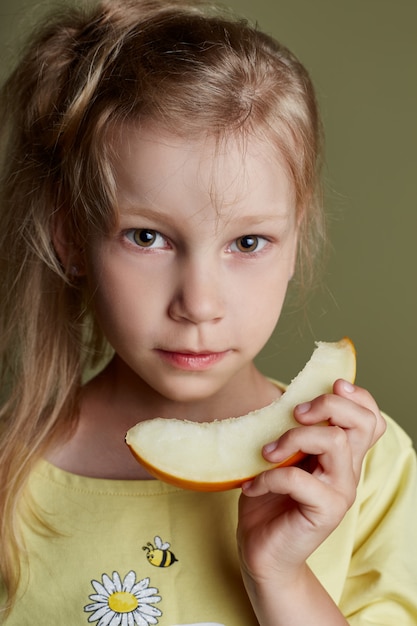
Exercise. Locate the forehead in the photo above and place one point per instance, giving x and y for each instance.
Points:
(152, 166)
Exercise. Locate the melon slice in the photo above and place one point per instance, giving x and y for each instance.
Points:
(222, 454)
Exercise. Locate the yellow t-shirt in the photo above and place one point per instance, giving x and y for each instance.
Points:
(142, 552)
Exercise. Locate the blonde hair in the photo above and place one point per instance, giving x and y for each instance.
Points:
(185, 66)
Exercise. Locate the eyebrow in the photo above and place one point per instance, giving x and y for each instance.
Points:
(267, 217)
(142, 211)
(243, 219)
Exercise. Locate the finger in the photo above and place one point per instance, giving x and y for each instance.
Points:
(317, 500)
(354, 410)
(363, 398)
(331, 445)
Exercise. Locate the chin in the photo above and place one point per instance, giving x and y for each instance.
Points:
(189, 391)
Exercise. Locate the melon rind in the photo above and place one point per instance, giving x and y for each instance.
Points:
(219, 454)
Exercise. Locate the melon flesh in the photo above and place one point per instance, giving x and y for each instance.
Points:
(222, 454)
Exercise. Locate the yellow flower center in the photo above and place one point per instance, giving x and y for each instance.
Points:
(123, 602)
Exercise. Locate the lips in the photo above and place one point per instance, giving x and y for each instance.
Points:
(192, 361)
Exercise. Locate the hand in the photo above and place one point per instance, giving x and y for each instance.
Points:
(286, 513)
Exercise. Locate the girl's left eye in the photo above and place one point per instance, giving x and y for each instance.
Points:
(248, 243)
(146, 238)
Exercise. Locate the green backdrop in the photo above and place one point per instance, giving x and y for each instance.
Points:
(362, 55)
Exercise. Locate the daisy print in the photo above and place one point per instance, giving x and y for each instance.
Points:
(124, 602)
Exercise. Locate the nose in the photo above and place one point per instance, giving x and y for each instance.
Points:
(197, 294)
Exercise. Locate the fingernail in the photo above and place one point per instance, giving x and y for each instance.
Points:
(303, 408)
(247, 485)
(348, 387)
(270, 447)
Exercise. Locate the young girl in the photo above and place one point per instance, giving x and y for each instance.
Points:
(159, 189)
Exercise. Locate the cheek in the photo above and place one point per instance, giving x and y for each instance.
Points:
(112, 294)
(272, 304)
(127, 299)
(263, 305)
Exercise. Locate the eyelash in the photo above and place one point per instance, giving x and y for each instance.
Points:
(134, 234)
(255, 243)
(146, 238)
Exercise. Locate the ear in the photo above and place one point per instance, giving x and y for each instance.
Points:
(68, 252)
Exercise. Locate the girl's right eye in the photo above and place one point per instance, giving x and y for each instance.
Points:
(146, 238)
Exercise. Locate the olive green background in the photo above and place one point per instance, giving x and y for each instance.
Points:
(362, 55)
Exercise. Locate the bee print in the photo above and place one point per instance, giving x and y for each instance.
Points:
(159, 554)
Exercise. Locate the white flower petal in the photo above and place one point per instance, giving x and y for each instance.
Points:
(149, 610)
(100, 589)
(106, 619)
(117, 581)
(96, 606)
(151, 620)
(108, 584)
(148, 596)
(115, 621)
(149, 600)
(139, 620)
(143, 591)
(136, 588)
(142, 584)
(99, 614)
(129, 581)
(99, 597)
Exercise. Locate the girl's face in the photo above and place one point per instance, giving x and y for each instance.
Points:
(189, 286)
